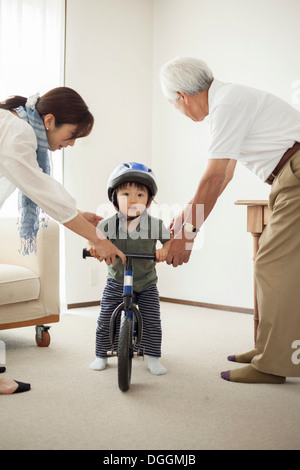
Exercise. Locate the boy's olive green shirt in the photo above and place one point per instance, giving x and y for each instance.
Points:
(142, 240)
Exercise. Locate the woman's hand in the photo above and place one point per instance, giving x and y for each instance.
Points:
(105, 250)
(92, 218)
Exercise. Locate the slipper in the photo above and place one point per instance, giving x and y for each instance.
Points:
(22, 387)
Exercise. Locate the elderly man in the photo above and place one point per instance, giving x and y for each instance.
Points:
(262, 132)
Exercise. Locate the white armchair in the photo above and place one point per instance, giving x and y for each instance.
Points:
(29, 285)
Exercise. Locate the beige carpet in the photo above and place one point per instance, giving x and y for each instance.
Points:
(190, 408)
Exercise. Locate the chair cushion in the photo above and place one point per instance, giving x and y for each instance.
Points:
(17, 284)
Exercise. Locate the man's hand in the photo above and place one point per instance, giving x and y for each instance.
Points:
(181, 246)
(180, 251)
(217, 175)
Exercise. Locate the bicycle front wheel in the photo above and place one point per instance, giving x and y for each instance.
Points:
(125, 353)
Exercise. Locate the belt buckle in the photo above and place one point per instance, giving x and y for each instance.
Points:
(271, 178)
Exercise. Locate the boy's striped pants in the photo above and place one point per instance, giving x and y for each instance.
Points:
(149, 306)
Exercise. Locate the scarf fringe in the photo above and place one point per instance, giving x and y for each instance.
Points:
(29, 244)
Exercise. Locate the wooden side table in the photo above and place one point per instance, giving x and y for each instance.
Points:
(258, 214)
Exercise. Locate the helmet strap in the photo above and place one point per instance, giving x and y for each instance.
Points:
(129, 219)
(132, 218)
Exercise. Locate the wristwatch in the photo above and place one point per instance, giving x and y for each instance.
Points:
(190, 228)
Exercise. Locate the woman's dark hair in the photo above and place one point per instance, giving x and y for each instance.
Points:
(65, 104)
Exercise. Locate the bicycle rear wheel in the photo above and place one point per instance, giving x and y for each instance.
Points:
(125, 353)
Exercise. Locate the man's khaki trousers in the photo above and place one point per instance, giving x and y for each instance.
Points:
(277, 277)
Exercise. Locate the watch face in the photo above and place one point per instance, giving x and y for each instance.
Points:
(189, 228)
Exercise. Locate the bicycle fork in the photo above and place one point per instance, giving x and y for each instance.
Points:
(128, 308)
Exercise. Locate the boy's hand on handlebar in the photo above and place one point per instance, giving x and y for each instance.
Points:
(161, 255)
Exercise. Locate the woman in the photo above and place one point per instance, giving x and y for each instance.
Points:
(29, 128)
(263, 133)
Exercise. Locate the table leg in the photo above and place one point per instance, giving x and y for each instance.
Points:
(256, 316)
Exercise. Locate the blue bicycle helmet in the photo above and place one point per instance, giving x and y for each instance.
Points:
(132, 173)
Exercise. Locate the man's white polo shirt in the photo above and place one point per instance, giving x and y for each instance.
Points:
(250, 126)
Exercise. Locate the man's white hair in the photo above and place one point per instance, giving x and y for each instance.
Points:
(187, 74)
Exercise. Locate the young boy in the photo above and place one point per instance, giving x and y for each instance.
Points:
(131, 189)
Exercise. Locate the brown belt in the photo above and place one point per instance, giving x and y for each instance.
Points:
(282, 161)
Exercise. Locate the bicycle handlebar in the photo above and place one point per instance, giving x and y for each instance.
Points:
(86, 253)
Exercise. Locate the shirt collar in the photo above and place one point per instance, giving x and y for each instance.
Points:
(214, 87)
(142, 225)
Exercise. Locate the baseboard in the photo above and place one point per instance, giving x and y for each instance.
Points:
(226, 308)
(94, 303)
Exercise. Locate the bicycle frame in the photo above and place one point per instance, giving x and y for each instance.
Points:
(131, 324)
(128, 306)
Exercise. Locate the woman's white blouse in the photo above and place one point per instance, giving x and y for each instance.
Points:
(19, 169)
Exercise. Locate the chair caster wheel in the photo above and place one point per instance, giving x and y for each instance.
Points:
(42, 337)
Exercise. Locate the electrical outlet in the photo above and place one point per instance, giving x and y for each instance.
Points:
(94, 276)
